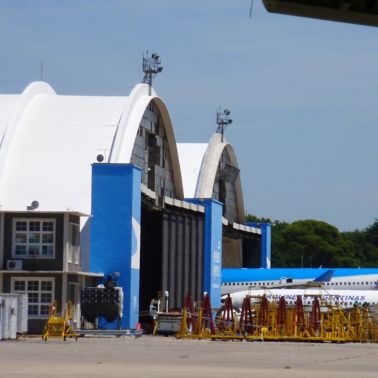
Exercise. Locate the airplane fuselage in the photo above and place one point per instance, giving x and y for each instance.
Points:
(340, 298)
(234, 280)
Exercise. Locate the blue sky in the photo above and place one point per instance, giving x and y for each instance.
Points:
(303, 93)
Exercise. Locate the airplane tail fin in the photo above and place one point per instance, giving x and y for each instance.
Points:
(325, 277)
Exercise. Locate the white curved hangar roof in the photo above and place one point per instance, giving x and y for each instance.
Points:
(199, 166)
(191, 156)
(48, 143)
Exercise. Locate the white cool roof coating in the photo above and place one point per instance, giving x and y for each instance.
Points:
(8, 103)
(190, 155)
(48, 143)
(199, 165)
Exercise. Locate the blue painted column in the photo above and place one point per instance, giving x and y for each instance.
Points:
(115, 231)
(266, 238)
(212, 267)
(266, 241)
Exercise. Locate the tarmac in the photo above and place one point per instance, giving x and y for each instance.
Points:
(159, 356)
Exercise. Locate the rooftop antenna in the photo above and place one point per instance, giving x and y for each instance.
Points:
(223, 120)
(151, 67)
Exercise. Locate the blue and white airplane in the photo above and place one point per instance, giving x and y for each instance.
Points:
(241, 279)
(341, 298)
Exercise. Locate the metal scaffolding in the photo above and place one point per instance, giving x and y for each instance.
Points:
(260, 319)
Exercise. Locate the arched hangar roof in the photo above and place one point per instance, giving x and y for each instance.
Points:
(48, 143)
(199, 165)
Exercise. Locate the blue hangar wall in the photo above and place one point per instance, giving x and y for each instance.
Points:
(115, 231)
(115, 235)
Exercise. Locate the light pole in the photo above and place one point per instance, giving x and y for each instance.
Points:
(151, 67)
(223, 120)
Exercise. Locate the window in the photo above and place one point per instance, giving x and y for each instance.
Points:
(33, 238)
(40, 294)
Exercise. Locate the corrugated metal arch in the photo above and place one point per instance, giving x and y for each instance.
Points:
(128, 128)
(209, 166)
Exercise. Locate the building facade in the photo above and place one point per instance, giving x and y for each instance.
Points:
(92, 186)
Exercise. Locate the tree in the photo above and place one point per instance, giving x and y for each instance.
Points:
(312, 243)
(372, 234)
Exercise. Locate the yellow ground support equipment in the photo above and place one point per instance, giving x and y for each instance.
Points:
(261, 319)
(59, 326)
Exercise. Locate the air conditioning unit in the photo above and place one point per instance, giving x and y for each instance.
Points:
(14, 264)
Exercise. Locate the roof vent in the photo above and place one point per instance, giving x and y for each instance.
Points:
(34, 205)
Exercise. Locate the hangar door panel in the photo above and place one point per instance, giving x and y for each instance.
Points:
(182, 255)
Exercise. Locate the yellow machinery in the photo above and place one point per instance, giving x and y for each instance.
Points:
(59, 326)
(274, 321)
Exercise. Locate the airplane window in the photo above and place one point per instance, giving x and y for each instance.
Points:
(354, 283)
(358, 283)
(336, 283)
(367, 283)
(349, 283)
(233, 284)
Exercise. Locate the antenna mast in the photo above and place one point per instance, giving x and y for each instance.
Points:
(223, 120)
(151, 67)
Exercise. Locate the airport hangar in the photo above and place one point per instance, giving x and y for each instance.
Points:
(93, 186)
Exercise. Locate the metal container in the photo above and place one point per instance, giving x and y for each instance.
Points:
(22, 313)
(9, 316)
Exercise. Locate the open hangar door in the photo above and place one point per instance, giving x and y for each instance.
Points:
(171, 257)
(240, 249)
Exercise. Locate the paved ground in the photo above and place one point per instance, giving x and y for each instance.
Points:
(151, 356)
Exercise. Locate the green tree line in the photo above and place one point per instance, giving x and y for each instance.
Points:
(313, 243)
